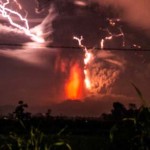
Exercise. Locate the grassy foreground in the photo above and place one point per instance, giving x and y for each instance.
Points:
(124, 128)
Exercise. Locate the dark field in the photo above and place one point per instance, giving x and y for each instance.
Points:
(124, 128)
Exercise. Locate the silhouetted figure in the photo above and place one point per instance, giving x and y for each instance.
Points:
(20, 111)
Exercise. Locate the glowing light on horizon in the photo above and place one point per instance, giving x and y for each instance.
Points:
(7, 13)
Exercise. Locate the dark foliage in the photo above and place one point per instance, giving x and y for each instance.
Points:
(124, 128)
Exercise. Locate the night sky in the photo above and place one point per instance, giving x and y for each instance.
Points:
(38, 73)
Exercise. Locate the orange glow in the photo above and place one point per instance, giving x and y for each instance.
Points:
(74, 84)
(87, 80)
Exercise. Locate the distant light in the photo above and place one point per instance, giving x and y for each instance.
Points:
(80, 3)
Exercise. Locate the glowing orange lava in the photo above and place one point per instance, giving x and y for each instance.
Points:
(73, 86)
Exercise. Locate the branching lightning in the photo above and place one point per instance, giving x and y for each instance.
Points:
(110, 36)
(8, 13)
(99, 76)
(88, 54)
(87, 59)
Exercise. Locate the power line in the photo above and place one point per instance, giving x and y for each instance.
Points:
(74, 47)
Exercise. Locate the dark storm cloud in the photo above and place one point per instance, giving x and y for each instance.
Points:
(137, 12)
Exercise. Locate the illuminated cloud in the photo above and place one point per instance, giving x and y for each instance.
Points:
(8, 33)
(32, 56)
(105, 70)
(22, 47)
(44, 29)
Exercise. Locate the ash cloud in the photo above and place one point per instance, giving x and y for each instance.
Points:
(135, 13)
(105, 70)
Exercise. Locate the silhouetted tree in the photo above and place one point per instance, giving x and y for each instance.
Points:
(132, 110)
(48, 113)
(119, 111)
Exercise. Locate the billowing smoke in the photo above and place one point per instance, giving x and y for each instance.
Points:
(105, 70)
(134, 12)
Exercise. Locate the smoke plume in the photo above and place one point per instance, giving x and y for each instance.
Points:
(105, 70)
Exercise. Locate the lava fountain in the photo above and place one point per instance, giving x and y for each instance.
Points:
(74, 86)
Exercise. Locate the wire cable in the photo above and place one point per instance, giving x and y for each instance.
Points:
(75, 47)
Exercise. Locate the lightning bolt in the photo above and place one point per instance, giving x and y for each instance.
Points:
(87, 59)
(103, 81)
(7, 13)
(113, 22)
(110, 36)
(88, 55)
